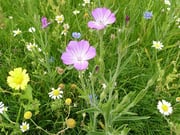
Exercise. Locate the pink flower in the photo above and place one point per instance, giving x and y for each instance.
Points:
(102, 17)
(78, 53)
(44, 22)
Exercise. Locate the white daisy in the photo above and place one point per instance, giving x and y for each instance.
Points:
(59, 19)
(55, 93)
(164, 107)
(24, 127)
(158, 45)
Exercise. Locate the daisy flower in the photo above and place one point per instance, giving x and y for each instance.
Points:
(59, 19)
(24, 127)
(18, 79)
(78, 53)
(102, 17)
(56, 93)
(164, 107)
(17, 32)
(158, 45)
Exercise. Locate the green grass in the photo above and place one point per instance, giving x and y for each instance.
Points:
(143, 77)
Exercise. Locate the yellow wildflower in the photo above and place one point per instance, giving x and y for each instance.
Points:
(18, 79)
(28, 115)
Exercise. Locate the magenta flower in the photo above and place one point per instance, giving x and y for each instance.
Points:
(102, 17)
(78, 53)
(44, 22)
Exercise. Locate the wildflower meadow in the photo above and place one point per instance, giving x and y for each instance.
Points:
(90, 67)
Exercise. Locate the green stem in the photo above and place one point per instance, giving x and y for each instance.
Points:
(82, 80)
(7, 117)
(41, 128)
(19, 113)
(115, 74)
(101, 53)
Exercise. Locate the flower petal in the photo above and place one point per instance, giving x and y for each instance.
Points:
(91, 53)
(68, 58)
(81, 65)
(96, 25)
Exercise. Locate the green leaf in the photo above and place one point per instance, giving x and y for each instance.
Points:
(27, 93)
(123, 118)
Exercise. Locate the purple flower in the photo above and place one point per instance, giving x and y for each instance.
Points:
(76, 35)
(102, 17)
(44, 22)
(78, 53)
(148, 15)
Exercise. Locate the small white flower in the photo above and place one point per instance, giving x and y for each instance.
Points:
(167, 2)
(10, 17)
(32, 29)
(168, 9)
(17, 32)
(59, 19)
(2, 108)
(75, 12)
(87, 1)
(64, 32)
(56, 93)
(158, 45)
(164, 107)
(31, 46)
(66, 26)
(24, 127)
(104, 86)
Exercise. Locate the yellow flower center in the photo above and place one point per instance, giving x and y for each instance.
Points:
(18, 79)
(56, 92)
(24, 127)
(60, 19)
(165, 108)
(157, 45)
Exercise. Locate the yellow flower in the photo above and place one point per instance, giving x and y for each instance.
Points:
(18, 79)
(71, 123)
(68, 101)
(28, 115)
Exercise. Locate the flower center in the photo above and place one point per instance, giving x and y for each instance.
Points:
(79, 58)
(157, 45)
(56, 92)
(18, 79)
(24, 127)
(165, 108)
